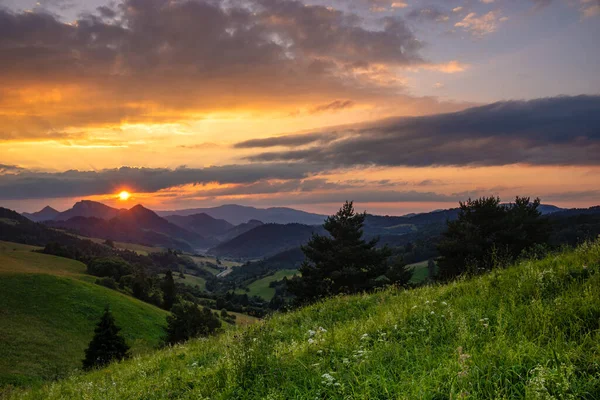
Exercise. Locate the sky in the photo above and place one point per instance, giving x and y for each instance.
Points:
(401, 106)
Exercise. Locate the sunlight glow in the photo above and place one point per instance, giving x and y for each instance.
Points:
(124, 195)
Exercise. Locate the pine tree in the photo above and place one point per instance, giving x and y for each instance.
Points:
(169, 291)
(340, 263)
(107, 345)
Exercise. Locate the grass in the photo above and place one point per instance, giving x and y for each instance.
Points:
(189, 280)
(138, 248)
(261, 287)
(48, 310)
(530, 331)
(213, 260)
(420, 272)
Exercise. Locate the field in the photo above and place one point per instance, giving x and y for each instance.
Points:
(420, 272)
(48, 310)
(213, 260)
(529, 331)
(138, 248)
(190, 280)
(261, 287)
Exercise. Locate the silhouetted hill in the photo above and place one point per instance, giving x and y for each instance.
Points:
(137, 225)
(239, 229)
(87, 208)
(236, 214)
(45, 214)
(266, 240)
(202, 224)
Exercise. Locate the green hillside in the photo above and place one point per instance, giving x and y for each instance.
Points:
(48, 310)
(531, 331)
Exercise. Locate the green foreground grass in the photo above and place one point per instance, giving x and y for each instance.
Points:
(530, 331)
(48, 310)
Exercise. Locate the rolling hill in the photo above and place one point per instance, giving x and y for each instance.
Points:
(202, 224)
(48, 310)
(265, 240)
(529, 331)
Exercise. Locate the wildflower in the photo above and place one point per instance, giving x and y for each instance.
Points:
(194, 364)
(427, 302)
(413, 307)
(444, 303)
(345, 361)
(396, 327)
(320, 352)
(311, 341)
(327, 379)
(433, 312)
(311, 333)
(321, 329)
(364, 337)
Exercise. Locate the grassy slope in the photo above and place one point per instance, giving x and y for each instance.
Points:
(530, 331)
(48, 310)
(261, 287)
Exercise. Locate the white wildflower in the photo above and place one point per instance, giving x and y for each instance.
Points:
(321, 329)
(311, 341)
(364, 337)
(444, 303)
(311, 333)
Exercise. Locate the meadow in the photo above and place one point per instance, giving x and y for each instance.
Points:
(529, 331)
(48, 310)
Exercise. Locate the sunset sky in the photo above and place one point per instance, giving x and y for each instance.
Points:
(402, 106)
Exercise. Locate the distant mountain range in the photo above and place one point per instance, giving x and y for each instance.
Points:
(136, 225)
(235, 231)
(235, 214)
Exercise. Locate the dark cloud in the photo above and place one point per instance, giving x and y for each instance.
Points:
(551, 131)
(333, 106)
(289, 140)
(191, 55)
(24, 184)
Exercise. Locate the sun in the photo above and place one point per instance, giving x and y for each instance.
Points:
(124, 195)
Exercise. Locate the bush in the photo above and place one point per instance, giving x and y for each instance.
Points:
(108, 282)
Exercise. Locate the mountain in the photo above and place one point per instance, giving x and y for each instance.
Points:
(526, 331)
(236, 214)
(240, 229)
(202, 224)
(136, 225)
(45, 214)
(266, 240)
(88, 208)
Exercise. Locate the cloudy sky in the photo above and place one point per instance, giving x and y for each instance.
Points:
(402, 106)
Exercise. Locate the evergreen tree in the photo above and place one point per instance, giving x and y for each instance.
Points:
(340, 263)
(107, 345)
(169, 291)
(188, 321)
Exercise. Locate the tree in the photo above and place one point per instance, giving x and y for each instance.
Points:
(169, 291)
(488, 234)
(114, 267)
(107, 345)
(430, 269)
(189, 321)
(340, 263)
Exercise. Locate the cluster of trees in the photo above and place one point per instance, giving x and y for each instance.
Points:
(490, 234)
